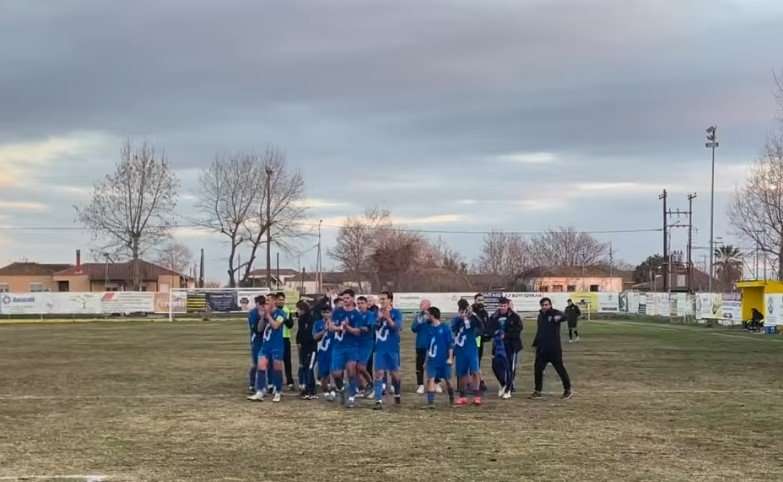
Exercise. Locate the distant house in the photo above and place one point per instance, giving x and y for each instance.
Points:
(24, 277)
(306, 283)
(98, 277)
(279, 277)
(576, 278)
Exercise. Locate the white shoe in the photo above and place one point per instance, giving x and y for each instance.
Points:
(438, 388)
(507, 395)
(276, 398)
(577, 338)
(420, 390)
(331, 396)
(258, 397)
(570, 340)
(501, 392)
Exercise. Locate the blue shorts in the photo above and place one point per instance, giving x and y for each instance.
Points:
(272, 354)
(442, 372)
(324, 363)
(341, 357)
(387, 361)
(467, 364)
(255, 352)
(363, 354)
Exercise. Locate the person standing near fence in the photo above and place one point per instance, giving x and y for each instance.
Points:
(549, 348)
(421, 326)
(572, 313)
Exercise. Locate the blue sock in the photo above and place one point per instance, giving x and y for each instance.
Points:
(260, 381)
(430, 397)
(251, 377)
(278, 380)
(352, 387)
(378, 390)
(397, 388)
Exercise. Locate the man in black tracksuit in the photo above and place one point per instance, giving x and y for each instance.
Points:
(508, 324)
(549, 348)
(572, 314)
(307, 347)
(481, 313)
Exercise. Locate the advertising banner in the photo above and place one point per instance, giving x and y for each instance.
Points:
(50, 303)
(774, 310)
(222, 301)
(123, 302)
(179, 301)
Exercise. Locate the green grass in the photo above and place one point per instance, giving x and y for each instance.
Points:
(165, 401)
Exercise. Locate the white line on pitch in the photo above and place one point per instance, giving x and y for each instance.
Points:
(86, 478)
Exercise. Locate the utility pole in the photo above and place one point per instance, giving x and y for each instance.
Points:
(201, 270)
(318, 280)
(691, 197)
(611, 260)
(669, 275)
(268, 227)
(712, 142)
(278, 270)
(665, 273)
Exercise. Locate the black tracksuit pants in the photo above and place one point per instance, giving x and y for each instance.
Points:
(307, 359)
(421, 357)
(289, 377)
(555, 357)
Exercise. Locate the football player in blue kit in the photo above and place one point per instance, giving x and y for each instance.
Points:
(466, 326)
(270, 363)
(440, 356)
(387, 348)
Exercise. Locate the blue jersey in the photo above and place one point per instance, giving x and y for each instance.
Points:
(441, 341)
(253, 318)
(273, 338)
(465, 333)
(387, 339)
(421, 327)
(325, 343)
(368, 319)
(345, 340)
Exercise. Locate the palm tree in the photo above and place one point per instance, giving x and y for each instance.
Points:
(728, 265)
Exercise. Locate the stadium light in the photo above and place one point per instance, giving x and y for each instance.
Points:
(712, 143)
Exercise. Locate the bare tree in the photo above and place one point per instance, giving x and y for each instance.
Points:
(176, 257)
(566, 247)
(756, 211)
(132, 209)
(503, 254)
(357, 239)
(229, 194)
(438, 254)
(396, 253)
(278, 211)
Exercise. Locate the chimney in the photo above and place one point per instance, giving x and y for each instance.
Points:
(78, 258)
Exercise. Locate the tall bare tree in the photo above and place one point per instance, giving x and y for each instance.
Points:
(357, 239)
(567, 247)
(229, 193)
(176, 257)
(503, 254)
(132, 209)
(756, 211)
(396, 253)
(278, 210)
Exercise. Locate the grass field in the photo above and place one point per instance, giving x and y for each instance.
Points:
(161, 401)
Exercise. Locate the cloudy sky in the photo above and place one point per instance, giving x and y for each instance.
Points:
(458, 115)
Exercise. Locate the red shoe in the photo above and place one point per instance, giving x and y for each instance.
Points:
(477, 401)
(461, 402)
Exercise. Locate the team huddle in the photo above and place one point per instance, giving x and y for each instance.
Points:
(355, 345)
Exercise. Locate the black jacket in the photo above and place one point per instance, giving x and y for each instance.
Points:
(548, 335)
(481, 314)
(572, 313)
(304, 332)
(511, 324)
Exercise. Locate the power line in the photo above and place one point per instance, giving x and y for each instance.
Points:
(403, 229)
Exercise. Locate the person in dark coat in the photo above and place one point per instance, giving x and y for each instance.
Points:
(572, 314)
(505, 325)
(307, 349)
(549, 349)
(480, 311)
